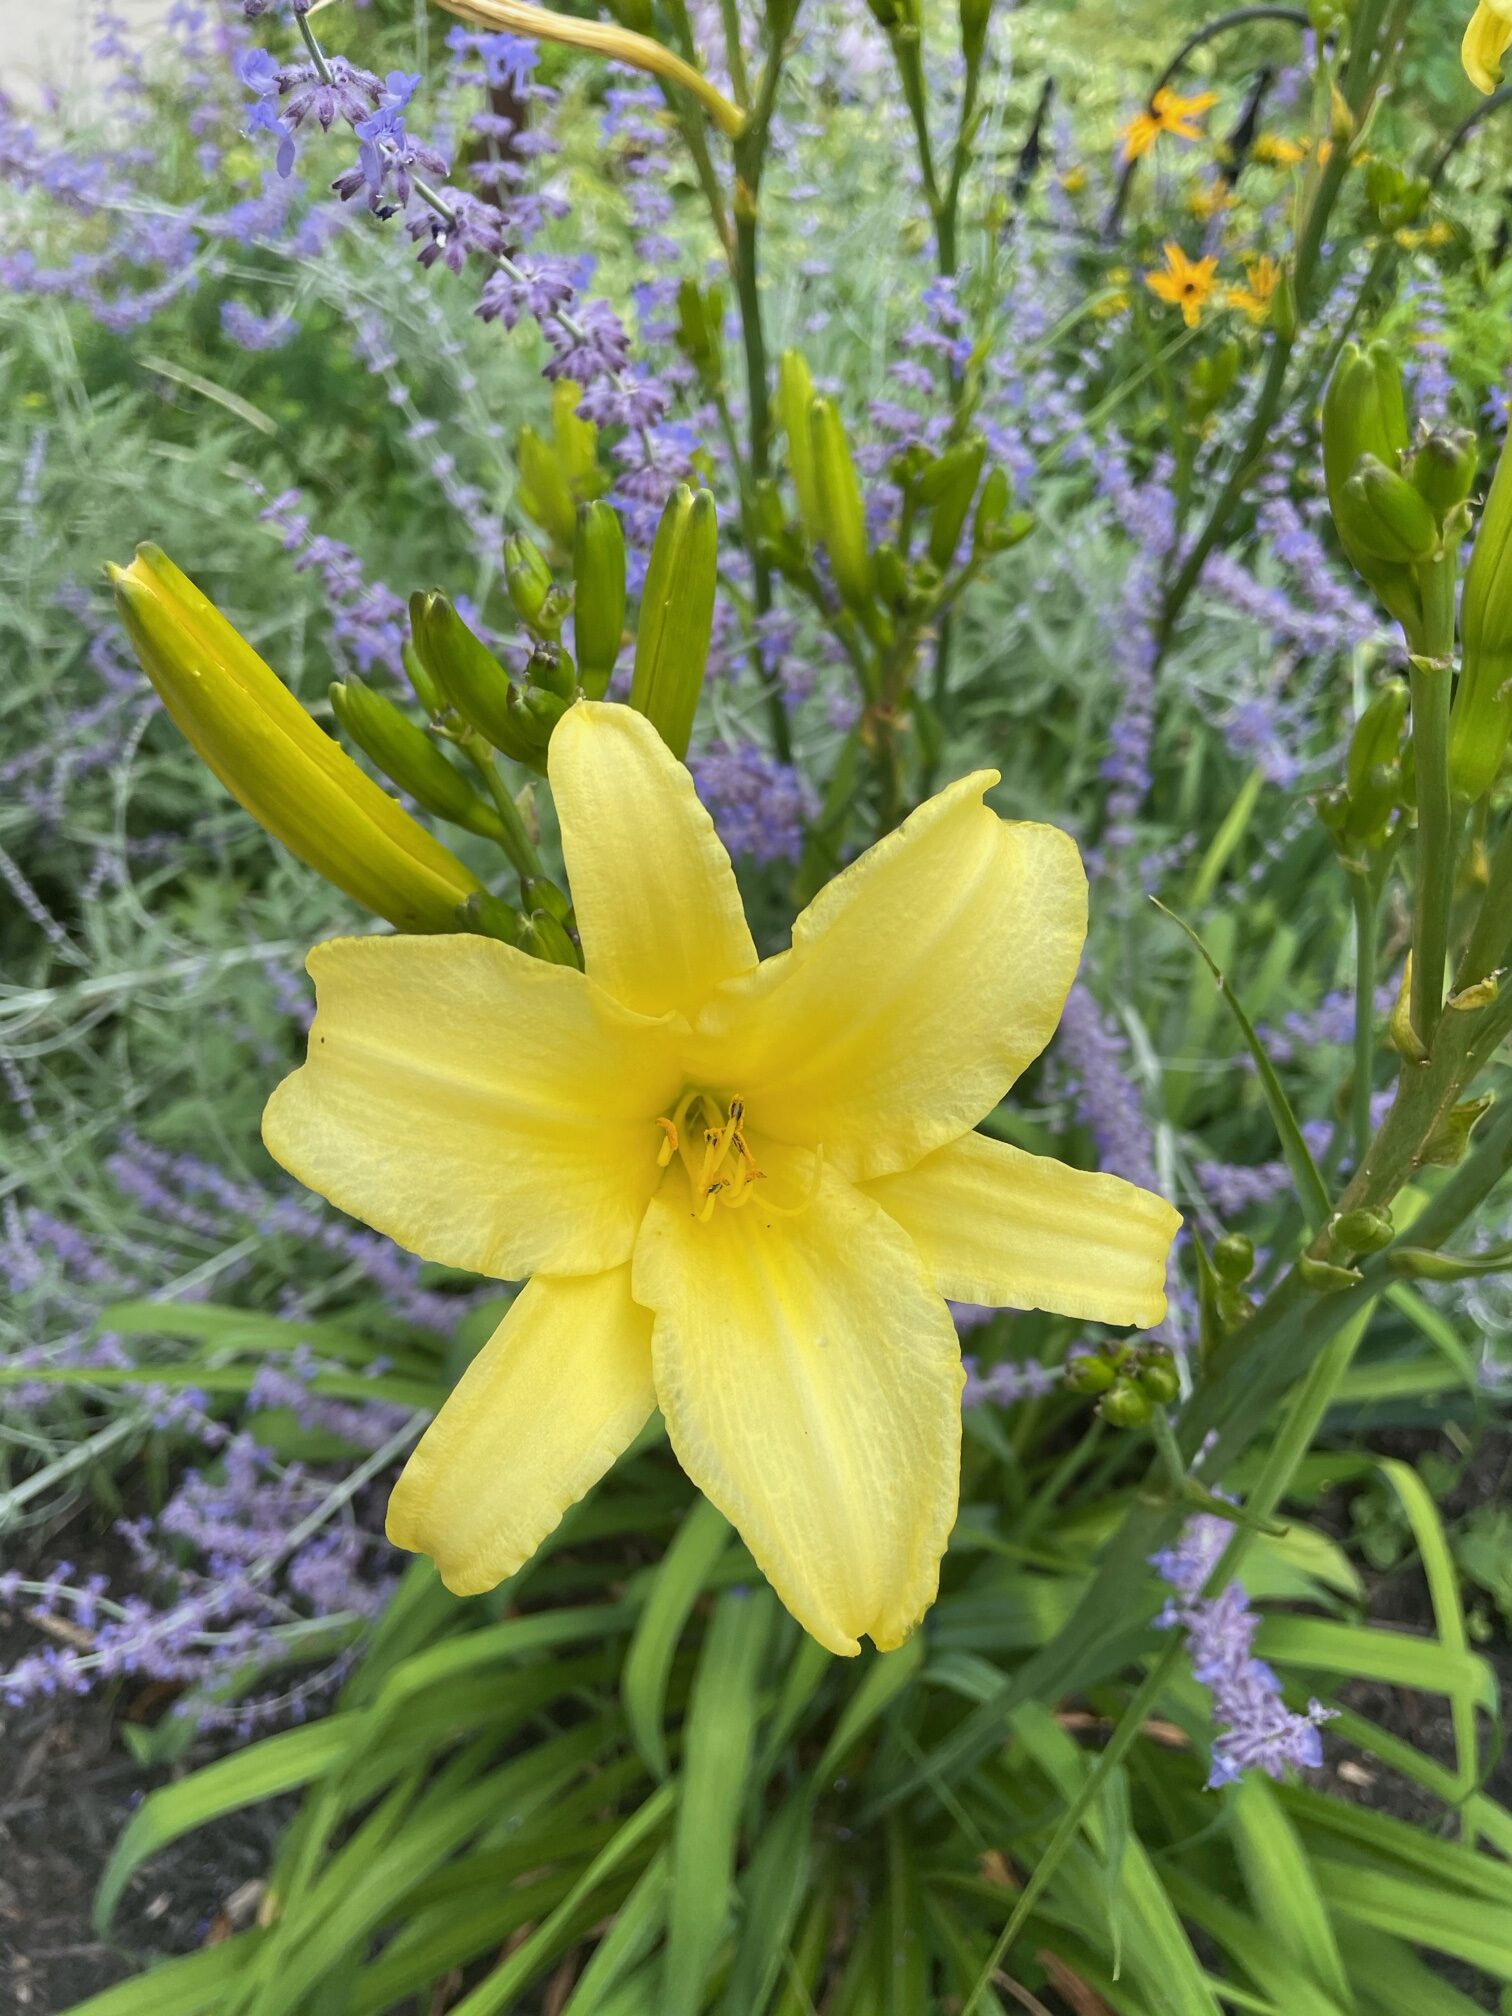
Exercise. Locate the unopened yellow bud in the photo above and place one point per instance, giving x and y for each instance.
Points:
(245, 724)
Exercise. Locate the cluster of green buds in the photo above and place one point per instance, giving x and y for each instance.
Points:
(1397, 198)
(559, 475)
(902, 583)
(1128, 1380)
(1400, 506)
(1362, 812)
(278, 762)
(1223, 1294)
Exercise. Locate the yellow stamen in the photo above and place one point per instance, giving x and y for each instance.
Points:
(668, 1147)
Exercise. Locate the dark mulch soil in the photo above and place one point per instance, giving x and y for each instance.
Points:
(67, 1788)
(68, 1785)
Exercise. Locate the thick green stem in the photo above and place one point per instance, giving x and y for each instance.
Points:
(515, 841)
(1365, 896)
(1433, 894)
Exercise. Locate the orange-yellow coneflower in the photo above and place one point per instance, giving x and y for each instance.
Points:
(1262, 276)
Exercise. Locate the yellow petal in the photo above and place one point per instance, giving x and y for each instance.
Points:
(997, 1226)
(561, 1388)
(1485, 44)
(657, 908)
(920, 983)
(811, 1382)
(482, 1108)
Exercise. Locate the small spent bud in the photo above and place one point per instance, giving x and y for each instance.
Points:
(1157, 1374)
(1090, 1372)
(1364, 1230)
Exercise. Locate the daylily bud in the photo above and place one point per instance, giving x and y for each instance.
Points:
(528, 580)
(1363, 413)
(676, 617)
(991, 509)
(1377, 738)
(1384, 516)
(1234, 1258)
(893, 584)
(1090, 1372)
(556, 478)
(842, 517)
(949, 487)
(1365, 1230)
(1157, 1375)
(975, 14)
(427, 692)
(1482, 715)
(490, 916)
(1443, 470)
(598, 602)
(470, 676)
(795, 395)
(544, 490)
(700, 318)
(545, 937)
(243, 722)
(1124, 1406)
(407, 755)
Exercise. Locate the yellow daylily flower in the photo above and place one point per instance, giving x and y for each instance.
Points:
(1485, 43)
(1185, 283)
(1167, 112)
(743, 1188)
(1276, 151)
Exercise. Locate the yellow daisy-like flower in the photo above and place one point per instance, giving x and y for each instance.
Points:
(1166, 112)
(743, 1188)
(1263, 276)
(1485, 43)
(1186, 283)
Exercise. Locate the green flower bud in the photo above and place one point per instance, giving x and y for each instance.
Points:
(1443, 469)
(1482, 715)
(893, 584)
(676, 617)
(949, 488)
(1363, 414)
(1234, 1307)
(1384, 516)
(842, 517)
(1365, 1230)
(545, 937)
(1125, 1406)
(301, 786)
(489, 916)
(550, 670)
(1377, 738)
(991, 511)
(1090, 1372)
(407, 755)
(545, 492)
(795, 395)
(1157, 1375)
(1234, 1258)
(541, 893)
(427, 692)
(555, 479)
(975, 14)
(598, 574)
(528, 580)
(467, 672)
(700, 332)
